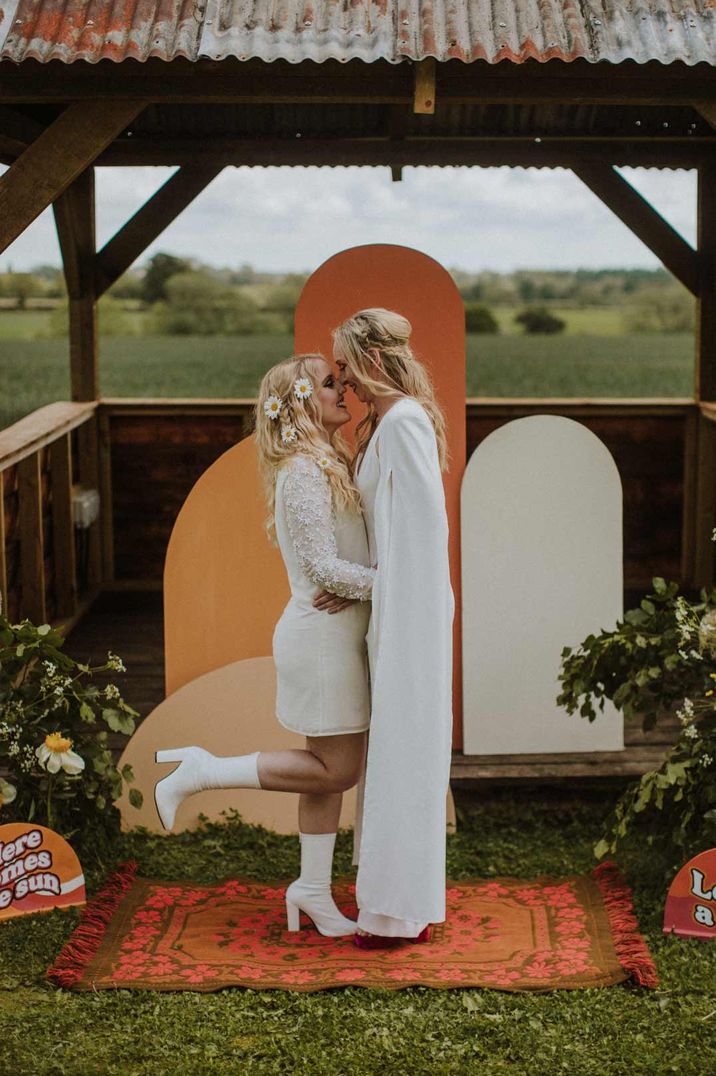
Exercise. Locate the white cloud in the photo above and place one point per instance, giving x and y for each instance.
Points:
(282, 218)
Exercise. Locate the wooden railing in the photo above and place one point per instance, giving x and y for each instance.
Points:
(143, 455)
(41, 458)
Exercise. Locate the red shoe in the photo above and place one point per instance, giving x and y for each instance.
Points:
(378, 941)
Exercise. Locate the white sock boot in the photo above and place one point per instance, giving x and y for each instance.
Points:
(311, 892)
(199, 770)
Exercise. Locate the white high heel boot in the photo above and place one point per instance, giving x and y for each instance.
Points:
(311, 892)
(199, 770)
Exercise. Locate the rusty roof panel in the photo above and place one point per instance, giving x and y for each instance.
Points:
(492, 30)
(393, 30)
(96, 30)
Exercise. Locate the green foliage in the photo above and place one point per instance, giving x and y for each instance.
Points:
(112, 319)
(198, 303)
(661, 309)
(53, 732)
(480, 319)
(538, 319)
(160, 269)
(660, 654)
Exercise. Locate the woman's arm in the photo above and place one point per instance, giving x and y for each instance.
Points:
(309, 516)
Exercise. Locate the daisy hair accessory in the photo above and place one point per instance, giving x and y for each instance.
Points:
(302, 388)
(289, 434)
(324, 463)
(272, 407)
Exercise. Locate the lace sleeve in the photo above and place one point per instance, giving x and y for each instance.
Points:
(310, 520)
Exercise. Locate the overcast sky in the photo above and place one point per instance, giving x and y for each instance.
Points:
(469, 218)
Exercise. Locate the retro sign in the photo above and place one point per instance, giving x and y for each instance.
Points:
(38, 871)
(691, 902)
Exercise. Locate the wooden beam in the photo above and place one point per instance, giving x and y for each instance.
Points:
(706, 305)
(424, 94)
(19, 126)
(75, 221)
(56, 158)
(329, 82)
(105, 494)
(32, 553)
(707, 109)
(63, 534)
(519, 151)
(150, 221)
(642, 219)
(705, 505)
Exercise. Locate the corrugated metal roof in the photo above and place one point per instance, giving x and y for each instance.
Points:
(393, 30)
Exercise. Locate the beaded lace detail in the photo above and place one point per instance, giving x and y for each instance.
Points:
(311, 523)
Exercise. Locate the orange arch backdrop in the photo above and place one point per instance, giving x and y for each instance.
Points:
(418, 287)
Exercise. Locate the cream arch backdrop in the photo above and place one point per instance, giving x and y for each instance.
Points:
(225, 585)
(542, 568)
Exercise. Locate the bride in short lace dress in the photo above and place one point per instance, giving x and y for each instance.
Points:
(319, 645)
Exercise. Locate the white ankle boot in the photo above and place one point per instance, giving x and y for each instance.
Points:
(199, 770)
(311, 893)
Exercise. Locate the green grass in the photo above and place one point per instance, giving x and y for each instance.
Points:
(599, 1032)
(36, 372)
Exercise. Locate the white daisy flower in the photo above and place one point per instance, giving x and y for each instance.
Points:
(55, 754)
(302, 388)
(289, 434)
(324, 463)
(8, 792)
(272, 407)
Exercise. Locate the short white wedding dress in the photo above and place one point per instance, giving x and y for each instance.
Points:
(321, 659)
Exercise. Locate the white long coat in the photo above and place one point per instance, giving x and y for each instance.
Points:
(400, 838)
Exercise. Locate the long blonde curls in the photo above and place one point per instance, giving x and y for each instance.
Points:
(389, 334)
(306, 416)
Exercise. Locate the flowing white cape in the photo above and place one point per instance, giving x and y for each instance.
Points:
(400, 839)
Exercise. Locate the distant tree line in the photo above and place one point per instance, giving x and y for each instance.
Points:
(180, 296)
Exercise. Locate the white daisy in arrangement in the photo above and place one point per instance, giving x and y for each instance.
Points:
(324, 463)
(302, 388)
(55, 754)
(8, 792)
(272, 406)
(289, 434)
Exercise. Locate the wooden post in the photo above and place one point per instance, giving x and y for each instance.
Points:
(75, 220)
(705, 387)
(63, 534)
(3, 554)
(105, 494)
(32, 553)
(88, 465)
(706, 306)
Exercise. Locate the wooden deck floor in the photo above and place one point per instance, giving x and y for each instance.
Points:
(131, 625)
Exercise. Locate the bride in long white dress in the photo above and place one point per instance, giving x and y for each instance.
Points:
(401, 451)
(319, 652)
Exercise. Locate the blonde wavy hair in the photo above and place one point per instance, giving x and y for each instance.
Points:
(389, 334)
(306, 416)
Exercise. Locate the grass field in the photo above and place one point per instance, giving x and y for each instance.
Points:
(36, 372)
(612, 1031)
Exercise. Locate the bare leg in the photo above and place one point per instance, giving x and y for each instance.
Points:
(329, 764)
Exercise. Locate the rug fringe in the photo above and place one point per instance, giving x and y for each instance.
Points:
(85, 941)
(632, 950)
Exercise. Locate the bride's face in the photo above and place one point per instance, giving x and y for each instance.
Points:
(349, 381)
(330, 392)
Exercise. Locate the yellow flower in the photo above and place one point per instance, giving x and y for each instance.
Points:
(8, 792)
(55, 754)
(708, 694)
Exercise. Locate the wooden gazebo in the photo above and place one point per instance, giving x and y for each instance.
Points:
(590, 86)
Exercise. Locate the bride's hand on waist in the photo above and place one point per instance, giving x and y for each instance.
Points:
(331, 603)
